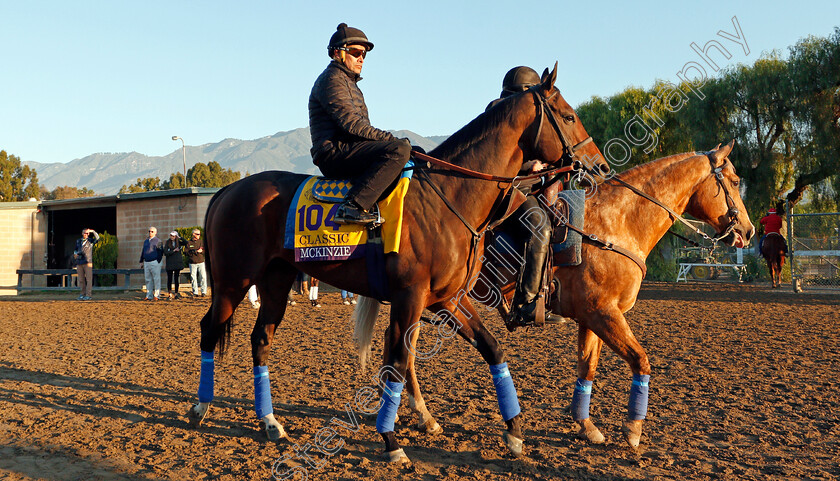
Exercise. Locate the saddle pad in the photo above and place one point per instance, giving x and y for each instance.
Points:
(313, 235)
(331, 190)
(568, 253)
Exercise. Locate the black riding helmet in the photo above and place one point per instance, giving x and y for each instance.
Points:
(519, 79)
(345, 35)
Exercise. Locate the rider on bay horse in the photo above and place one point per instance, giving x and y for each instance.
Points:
(528, 223)
(772, 223)
(344, 143)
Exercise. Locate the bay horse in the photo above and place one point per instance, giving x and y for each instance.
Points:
(598, 292)
(773, 251)
(245, 225)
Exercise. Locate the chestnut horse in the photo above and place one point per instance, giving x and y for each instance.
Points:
(598, 292)
(443, 212)
(773, 251)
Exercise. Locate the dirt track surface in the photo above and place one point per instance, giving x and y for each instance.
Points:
(744, 386)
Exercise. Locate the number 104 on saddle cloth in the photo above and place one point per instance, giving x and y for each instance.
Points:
(310, 229)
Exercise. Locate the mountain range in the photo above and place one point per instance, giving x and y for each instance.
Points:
(105, 173)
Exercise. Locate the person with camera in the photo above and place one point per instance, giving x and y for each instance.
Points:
(195, 254)
(174, 264)
(83, 257)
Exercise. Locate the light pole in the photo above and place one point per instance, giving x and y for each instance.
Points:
(184, 151)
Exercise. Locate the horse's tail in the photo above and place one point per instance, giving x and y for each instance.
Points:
(364, 319)
(225, 328)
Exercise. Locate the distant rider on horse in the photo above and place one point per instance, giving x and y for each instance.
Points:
(528, 224)
(772, 223)
(344, 144)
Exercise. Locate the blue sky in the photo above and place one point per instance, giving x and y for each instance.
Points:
(98, 76)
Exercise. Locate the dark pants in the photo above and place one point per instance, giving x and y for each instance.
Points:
(173, 276)
(371, 165)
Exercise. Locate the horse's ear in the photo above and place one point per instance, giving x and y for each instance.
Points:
(548, 79)
(721, 153)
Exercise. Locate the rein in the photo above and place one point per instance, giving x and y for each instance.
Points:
(730, 204)
(493, 178)
(569, 155)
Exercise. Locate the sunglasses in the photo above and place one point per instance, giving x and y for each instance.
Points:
(355, 52)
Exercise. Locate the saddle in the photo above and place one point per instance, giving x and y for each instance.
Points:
(313, 235)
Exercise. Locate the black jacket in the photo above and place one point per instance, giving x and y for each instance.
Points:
(172, 252)
(337, 112)
(193, 255)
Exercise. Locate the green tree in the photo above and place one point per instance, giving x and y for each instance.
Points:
(147, 184)
(815, 71)
(176, 181)
(17, 182)
(65, 192)
(210, 175)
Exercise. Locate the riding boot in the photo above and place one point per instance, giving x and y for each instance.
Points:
(526, 296)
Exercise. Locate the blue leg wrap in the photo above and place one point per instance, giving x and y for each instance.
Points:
(505, 392)
(388, 410)
(637, 407)
(262, 392)
(205, 380)
(580, 399)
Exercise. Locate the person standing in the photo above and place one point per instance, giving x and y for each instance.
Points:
(347, 297)
(195, 254)
(83, 255)
(150, 259)
(174, 264)
(344, 143)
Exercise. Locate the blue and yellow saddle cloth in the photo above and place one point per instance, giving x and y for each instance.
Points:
(313, 235)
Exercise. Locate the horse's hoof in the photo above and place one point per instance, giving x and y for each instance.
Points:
(513, 443)
(196, 415)
(397, 456)
(632, 431)
(274, 432)
(590, 432)
(429, 427)
(273, 429)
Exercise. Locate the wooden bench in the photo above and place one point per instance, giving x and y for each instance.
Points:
(67, 279)
(685, 268)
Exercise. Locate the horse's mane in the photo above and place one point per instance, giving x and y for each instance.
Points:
(650, 171)
(477, 130)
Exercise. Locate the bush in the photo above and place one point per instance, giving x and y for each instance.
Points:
(659, 266)
(105, 257)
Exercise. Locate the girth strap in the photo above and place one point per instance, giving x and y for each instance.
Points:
(606, 245)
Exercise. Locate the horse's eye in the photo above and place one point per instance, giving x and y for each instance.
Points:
(736, 183)
(569, 118)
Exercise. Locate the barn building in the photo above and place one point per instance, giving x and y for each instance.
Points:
(42, 234)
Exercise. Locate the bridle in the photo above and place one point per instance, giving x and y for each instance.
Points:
(732, 210)
(569, 150)
(569, 158)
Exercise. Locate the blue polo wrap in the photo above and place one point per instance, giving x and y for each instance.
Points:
(262, 392)
(205, 379)
(637, 406)
(388, 410)
(580, 399)
(505, 392)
